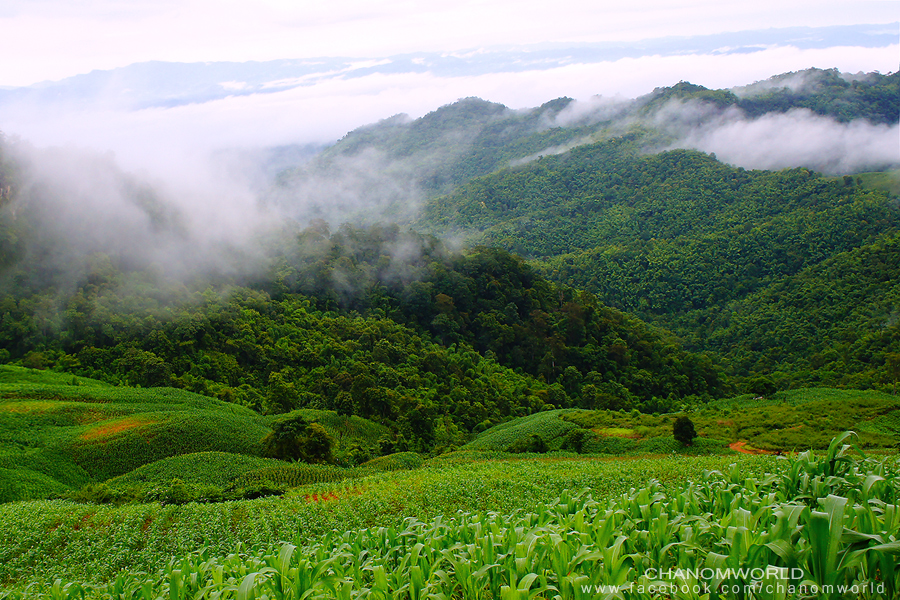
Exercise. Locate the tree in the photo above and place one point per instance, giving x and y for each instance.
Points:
(683, 430)
(533, 443)
(295, 438)
(892, 361)
(576, 438)
(280, 393)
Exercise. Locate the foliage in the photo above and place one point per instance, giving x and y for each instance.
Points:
(294, 438)
(394, 462)
(832, 324)
(827, 92)
(814, 523)
(692, 244)
(683, 431)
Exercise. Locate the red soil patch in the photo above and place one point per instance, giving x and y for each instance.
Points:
(113, 427)
(741, 447)
(83, 521)
(329, 496)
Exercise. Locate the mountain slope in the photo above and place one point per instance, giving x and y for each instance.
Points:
(685, 241)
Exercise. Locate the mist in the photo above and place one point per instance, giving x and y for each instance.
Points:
(798, 138)
(200, 188)
(74, 206)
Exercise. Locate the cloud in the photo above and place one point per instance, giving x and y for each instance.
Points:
(199, 165)
(796, 138)
(52, 39)
(168, 137)
(179, 149)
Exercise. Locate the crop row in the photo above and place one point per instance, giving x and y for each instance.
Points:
(819, 527)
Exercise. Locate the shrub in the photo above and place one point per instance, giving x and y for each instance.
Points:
(683, 431)
(101, 493)
(297, 439)
(576, 439)
(179, 492)
(533, 443)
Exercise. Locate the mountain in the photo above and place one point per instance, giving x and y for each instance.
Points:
(167, 84)
(644, 276)
(399, 160)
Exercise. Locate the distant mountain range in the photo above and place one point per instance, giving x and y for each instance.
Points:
(165, 84)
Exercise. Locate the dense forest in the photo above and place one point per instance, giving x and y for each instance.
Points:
(452, 145)
(692, 244)
(605, 275)
(448, 340)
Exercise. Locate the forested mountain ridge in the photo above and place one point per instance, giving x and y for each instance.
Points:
(827, 92)
(621, 224)
(680, 239)
(473, 137)
(113, 282)
(834, 323)
(440, 338)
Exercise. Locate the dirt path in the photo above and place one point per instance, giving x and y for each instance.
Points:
(741, 447)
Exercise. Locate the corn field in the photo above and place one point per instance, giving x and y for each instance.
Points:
(822, 527)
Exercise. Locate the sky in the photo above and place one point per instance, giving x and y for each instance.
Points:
(53, 39)
(50, 40)
(79, 89)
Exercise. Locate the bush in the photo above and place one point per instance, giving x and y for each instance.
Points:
(533, 443)
(101, 493)
(297, 439)
(179, 492)
(683, 431)
(576, 439)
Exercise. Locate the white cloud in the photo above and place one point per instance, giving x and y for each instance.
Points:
(52, 39)
(798, 138)
(161, 139)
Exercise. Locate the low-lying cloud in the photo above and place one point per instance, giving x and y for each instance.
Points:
(797, 138)
(163, 140)
(189, 186)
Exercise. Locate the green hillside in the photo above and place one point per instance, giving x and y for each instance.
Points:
(587, 362)
(721, 256)
(833, 324)
(65, 435)
(887, 181)
(56, 437)
(784, 422)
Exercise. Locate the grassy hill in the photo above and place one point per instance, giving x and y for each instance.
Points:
(59, 433)
(789, 421)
